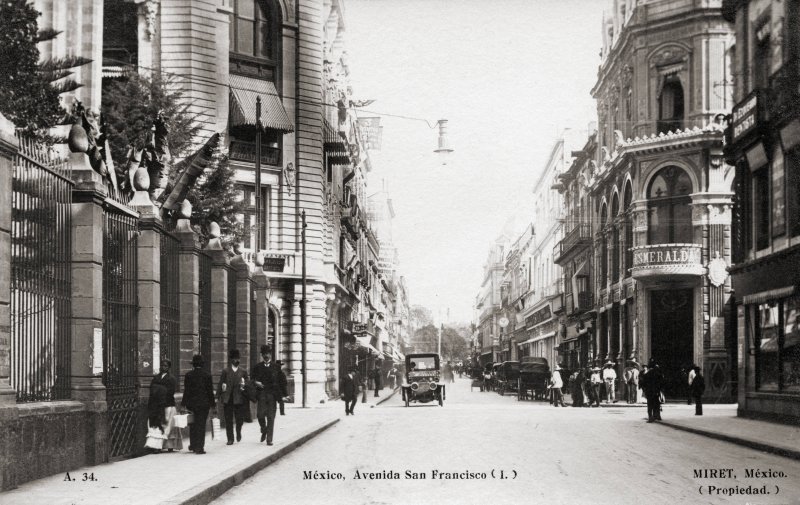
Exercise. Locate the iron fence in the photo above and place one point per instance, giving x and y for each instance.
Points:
(169, 322)
(120, 328)
(205, 310)
(40, 346)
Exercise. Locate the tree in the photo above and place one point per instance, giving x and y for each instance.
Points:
(425, 339)
(130, 108)
(26, 96)
(420, 316)
(454, 346)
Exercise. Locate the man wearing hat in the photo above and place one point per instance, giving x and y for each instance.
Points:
(652, 382)
(596, 382)
(266, 377)
(230, 391)
(556, 384)
(610, 379)
(198, 397)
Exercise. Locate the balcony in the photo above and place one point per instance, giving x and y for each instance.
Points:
(664, 261)
(585, 300)
(580, 236)
(669, 125)
(246, 151)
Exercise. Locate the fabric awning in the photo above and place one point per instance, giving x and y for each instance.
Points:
(540, 337)
(364, 342)
(765, 296)
(244, 91)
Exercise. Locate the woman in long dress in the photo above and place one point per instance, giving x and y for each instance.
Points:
(165, 380)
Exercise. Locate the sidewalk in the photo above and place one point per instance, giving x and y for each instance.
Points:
(181, 477)
(720, 422)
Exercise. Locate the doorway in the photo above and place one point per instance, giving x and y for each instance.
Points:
(672, 337)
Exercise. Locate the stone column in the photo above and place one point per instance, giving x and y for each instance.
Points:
(149, 283)
(188, 287)
(87, 303)
(8, 149)
(243, 288)
(219, 301)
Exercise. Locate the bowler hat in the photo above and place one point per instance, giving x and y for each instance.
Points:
(609, 363)
(234, 354)
(265, 349)
(197, 360)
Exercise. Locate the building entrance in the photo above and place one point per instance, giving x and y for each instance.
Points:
(672, 336)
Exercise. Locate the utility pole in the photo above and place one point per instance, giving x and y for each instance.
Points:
(303, 311)
(258, 176)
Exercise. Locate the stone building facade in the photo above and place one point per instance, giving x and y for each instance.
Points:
(662, 194)
(764, 146)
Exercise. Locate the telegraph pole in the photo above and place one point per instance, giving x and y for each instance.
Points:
(258, 176)
(303, 310)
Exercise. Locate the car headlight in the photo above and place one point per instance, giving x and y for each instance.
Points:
(432, 385)
(414, 386)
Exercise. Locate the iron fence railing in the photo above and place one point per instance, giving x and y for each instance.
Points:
(169, 322)
(205, 310)
(120, 326)
(40, 346)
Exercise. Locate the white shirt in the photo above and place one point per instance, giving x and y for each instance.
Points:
(609, 374)
(557, 382)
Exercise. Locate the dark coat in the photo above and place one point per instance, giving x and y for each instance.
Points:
(375, 375)
(348, 388)
(234, 380)
(169, 383)
(652, 382)
(698, 386)
(198, 390)
(270, 378)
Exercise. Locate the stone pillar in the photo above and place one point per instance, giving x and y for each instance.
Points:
(294, 339)
(219, 301)
(189, 287)
(148, 285)
(243, 288)
(87, 303)
(8, 149)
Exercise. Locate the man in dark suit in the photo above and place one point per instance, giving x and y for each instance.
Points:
(266, 377)
(283, 383)
(198, 397)
(349, 391)
(230, 391)
(652, 382)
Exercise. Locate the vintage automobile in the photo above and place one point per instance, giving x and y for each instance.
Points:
(507, 377)
(423, 379)
(534, 375)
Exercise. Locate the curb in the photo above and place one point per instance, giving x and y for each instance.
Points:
(752, 444)
(394, 392)
(213, 488)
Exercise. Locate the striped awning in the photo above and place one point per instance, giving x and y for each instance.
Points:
(365, 342)
(244, 91)
(766, 296)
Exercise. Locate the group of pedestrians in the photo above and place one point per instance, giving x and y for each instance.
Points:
(236, 389)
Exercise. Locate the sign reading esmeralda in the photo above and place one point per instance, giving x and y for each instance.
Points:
(667, 255)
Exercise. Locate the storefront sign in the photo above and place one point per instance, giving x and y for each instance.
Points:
(359, 327)
(272, 264)
(778, 195)
(667, 255)
(744, 117)
(537, 317)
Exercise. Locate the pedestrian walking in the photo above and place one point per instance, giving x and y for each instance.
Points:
(652, 382)
(231, 393)
(391, 376)
(610, 379)
(689, 379)
(283, 383)
(586, 386)
(576, 383)
(597, 381)
(198, 398)
(556, 384)
(698, 387)
(348, 390)
(162, 390)
(375, 375)
(631, 377)
(266, 378)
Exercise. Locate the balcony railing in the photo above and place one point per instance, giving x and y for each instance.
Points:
(668, 125)
(579, 236)
(246, 151)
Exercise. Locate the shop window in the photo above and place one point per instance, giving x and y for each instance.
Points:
(761, 207)
(670, 105)
(670, 215)
(768, 363)
(790, 345)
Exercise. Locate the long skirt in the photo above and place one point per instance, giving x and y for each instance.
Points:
(174, 436)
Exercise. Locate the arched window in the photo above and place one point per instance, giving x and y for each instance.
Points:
(670, 105)
(614, 240)
(603, 248)
(255, 39)
(626, 209)
(670, 215)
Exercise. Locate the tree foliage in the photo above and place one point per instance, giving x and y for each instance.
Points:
(420, 316)
(454, 345)
(425, 339)
(26, 96)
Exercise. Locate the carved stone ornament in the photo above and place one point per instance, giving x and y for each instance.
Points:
(717, 271)
(150, 14)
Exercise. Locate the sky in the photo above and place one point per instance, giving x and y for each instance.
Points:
(508, 75)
